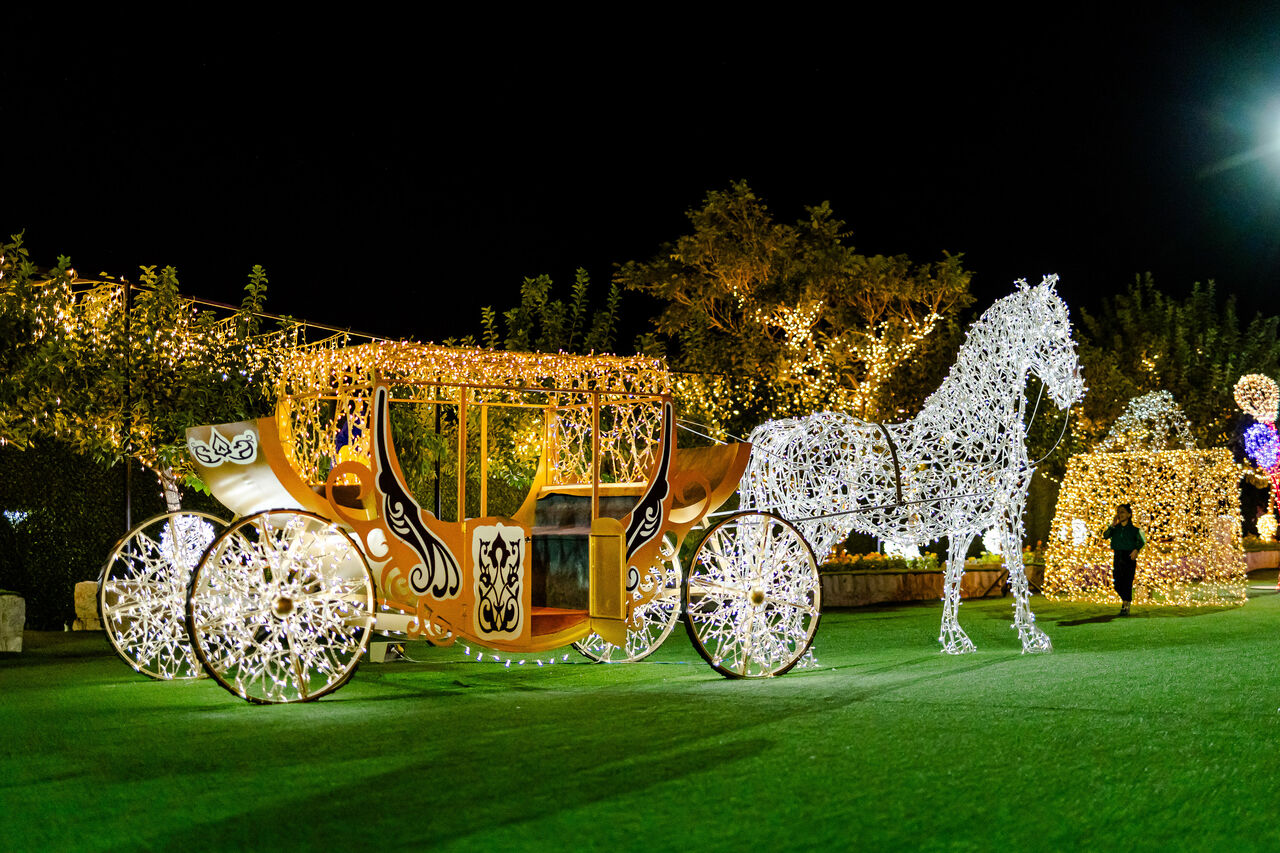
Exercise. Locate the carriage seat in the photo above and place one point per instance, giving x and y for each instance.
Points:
(553, 620)
(560, 571)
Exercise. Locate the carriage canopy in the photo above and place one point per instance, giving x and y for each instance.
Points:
(585, 416)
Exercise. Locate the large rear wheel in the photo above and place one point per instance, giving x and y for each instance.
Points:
(142, 592)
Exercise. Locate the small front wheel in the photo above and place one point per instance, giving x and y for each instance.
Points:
(280, 608)
(752, 596)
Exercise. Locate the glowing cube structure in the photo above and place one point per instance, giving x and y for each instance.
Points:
(1187, 503)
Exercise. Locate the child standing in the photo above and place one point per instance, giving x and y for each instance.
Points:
(1126, 541)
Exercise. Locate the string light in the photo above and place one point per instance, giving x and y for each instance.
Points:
(323, 385)
(507, 661)
(87, 316)
(960, 467)
(1185, 500)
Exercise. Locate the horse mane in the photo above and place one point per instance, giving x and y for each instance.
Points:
(982, 344)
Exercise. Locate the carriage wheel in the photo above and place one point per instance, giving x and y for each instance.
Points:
(752, 596)
(280, 608)
(651, 622)
(142, 592)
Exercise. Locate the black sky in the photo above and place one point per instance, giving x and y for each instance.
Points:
(393, 175)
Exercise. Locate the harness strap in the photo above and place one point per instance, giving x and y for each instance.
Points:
(893, 451)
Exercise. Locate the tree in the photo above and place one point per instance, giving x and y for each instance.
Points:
(117, 370)
(543, 324)
(776, 320)
(1144, 340)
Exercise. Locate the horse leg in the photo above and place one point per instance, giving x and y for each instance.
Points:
(1033, 639)
(953, 638)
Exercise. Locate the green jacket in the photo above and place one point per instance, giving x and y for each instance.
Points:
(1125, 537)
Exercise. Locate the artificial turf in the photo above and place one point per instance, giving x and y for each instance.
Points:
(1154, 732)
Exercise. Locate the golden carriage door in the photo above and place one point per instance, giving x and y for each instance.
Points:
(608, 556)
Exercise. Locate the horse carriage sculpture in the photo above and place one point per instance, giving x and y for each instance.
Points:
(331, 543)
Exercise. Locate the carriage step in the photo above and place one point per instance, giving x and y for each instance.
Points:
(549, 620)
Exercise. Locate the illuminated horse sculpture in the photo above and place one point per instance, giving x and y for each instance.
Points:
(958, 468)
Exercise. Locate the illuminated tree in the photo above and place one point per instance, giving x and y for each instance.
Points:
(120, 371)
(784, 319)
(1143, 340)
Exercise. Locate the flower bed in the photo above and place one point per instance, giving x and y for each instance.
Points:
(853, 580)
(841, 561)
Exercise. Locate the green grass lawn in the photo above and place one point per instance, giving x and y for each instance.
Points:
(1154, 732)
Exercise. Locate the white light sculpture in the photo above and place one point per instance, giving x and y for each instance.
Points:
(1153, 421)
(991, 541)
(956, 469)
(907, 551)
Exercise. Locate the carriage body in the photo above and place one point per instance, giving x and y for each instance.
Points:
(608, 501)
(582, 550)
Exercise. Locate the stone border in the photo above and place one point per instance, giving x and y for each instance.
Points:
(856, 589)
(1262, 560)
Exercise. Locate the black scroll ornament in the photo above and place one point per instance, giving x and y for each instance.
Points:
(437, 572)
(647, 518)
(241, 450)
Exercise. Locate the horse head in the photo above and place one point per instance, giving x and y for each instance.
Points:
(1051, 353)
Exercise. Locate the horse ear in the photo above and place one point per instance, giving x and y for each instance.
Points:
(1050, 281)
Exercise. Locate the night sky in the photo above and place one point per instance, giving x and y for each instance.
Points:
(395, 175)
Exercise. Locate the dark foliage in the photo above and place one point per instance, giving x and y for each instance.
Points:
(74, 515)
